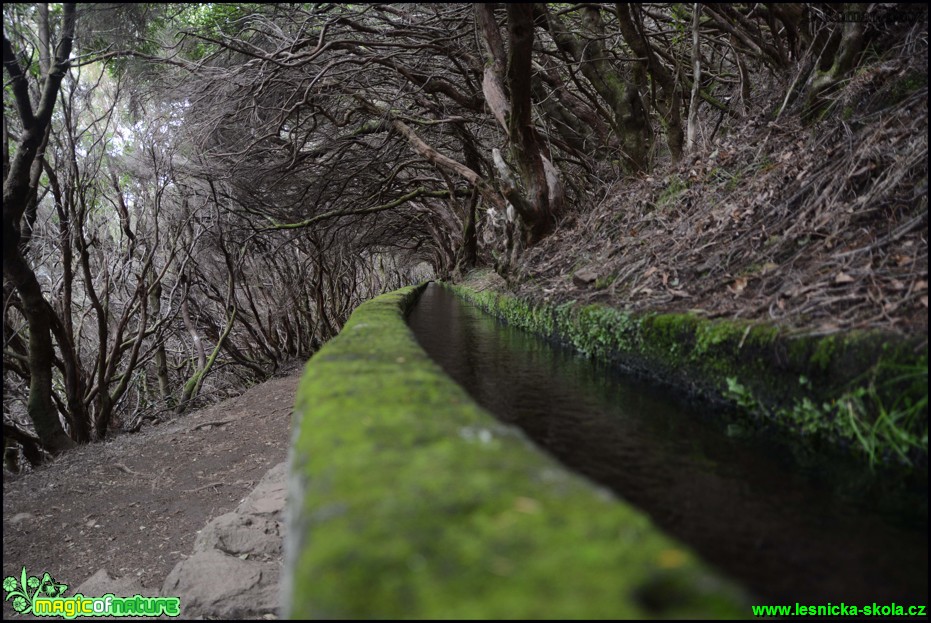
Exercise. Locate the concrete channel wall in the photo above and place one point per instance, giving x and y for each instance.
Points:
(407, 500)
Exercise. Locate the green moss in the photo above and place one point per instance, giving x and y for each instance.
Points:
(603, 282)
(709, 334)
(824, 352)
(673, 189)
(733, 183)
(881, 429)
(914, 81)
(669, 327)
(720, 175)
(409, 501)
(859, 391)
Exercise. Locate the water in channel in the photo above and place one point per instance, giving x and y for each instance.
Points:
(781, 528)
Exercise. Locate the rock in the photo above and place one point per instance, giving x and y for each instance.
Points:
(215, 585)
(237, 535)
(269, 497)
(236, 565)
(584, 277)
(102, 583)
(19, 518)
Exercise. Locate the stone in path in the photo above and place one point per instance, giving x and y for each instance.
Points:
(236, 565)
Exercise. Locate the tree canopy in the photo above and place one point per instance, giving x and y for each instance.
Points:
(194, 194)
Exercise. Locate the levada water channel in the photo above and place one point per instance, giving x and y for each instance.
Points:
(788, 527)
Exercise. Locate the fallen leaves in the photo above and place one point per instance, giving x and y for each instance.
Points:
(739, 285)
(793, 229)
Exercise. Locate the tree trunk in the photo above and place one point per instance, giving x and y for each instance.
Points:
(192, 330)
(538, 216)
(161, 359)
(40, 406)
(75, 377)
(845, 58)
(469, 249)
(193, 385)
(18, 187)
(669, 89)
(539, 197)
(696, 81)
(629, 117)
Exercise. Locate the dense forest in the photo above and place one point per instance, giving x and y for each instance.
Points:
(196, 194)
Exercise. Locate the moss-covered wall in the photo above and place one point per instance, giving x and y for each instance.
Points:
(408, 500)
(864, 392)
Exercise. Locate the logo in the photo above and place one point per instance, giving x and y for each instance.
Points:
(45, 598)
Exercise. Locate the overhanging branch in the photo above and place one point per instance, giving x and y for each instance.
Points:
(414, 194)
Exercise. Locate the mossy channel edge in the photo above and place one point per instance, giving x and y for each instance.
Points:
(407, 500)
(860, 393)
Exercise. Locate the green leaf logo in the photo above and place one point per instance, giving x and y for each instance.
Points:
(24, 590)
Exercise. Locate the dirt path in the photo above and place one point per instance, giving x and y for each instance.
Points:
(134, 505)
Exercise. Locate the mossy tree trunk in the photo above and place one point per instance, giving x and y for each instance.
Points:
(161, 358)
(669, 91)
(628, 115)
(824, 83)
(192, 386)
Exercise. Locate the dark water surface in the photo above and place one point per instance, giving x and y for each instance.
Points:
(789, 530)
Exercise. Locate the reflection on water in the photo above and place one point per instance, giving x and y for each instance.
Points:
(745, 506)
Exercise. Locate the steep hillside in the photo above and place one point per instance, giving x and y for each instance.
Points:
(819, 226)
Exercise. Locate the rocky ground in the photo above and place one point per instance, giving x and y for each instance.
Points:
(131, 515)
